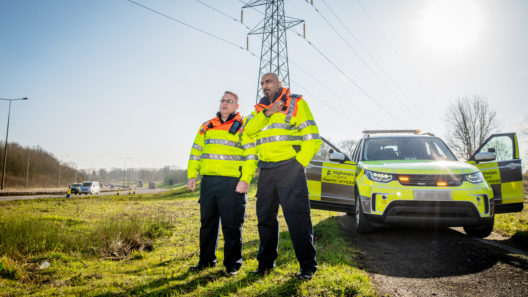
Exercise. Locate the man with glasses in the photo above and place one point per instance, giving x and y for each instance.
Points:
(227, 162)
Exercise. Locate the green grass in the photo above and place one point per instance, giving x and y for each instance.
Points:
(515, 224)
(143, 246)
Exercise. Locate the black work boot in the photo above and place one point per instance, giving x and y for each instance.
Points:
(201, 266)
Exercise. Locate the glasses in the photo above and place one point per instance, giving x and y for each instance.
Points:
(227, 101)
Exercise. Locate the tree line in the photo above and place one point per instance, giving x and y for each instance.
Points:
(34, 167)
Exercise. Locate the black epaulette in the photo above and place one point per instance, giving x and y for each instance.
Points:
(295, 96)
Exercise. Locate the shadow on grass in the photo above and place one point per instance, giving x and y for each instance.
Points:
(158, 287)
(277, 283)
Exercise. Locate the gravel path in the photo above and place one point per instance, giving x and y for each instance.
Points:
(404, 261)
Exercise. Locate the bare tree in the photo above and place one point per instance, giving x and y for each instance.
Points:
(322, 154)
(470, 121)
(347, 146)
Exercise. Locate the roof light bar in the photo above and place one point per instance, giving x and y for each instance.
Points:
(416, 131)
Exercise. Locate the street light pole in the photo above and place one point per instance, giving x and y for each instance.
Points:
(7, 135)
(124, 168)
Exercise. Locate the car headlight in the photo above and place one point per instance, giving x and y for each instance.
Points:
(378, 176)
(474, 178)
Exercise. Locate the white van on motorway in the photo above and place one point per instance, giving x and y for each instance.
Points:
(90, 187)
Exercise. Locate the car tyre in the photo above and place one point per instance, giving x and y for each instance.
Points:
(482, 230)
(362, 224)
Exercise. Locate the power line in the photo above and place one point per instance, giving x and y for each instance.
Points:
(192, 27)
(348, 118)
(359, 56)
(373, 59)
(334, 92)
(384, 37)
(223, 13)
(347, 77)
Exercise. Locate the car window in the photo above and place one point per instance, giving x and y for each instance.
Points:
(356, 151)
(405, 148)
(87, 184)
(503, 147)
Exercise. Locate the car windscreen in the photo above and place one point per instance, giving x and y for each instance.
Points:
(87, 184)
(405, 148)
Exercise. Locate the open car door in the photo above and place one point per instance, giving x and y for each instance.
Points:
(331, 182)
(504, 173)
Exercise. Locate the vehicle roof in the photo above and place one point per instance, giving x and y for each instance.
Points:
(398, 136)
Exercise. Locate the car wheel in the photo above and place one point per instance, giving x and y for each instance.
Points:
(482, 230)
(362, 223)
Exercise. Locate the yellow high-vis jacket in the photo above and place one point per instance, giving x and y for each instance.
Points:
(277, 135)
(220, 149)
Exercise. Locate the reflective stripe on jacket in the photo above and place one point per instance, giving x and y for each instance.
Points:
(216, 151)
(276, 135)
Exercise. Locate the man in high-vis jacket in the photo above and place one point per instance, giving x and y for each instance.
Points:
(226, 164)
(287, 138)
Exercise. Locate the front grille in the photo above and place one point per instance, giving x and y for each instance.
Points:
(432, 209)
(430, 180)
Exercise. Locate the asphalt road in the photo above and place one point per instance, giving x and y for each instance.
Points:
(113, 192)
(405, 261)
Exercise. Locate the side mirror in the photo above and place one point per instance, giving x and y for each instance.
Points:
(336, 157)
(485, 156)
(491, 150)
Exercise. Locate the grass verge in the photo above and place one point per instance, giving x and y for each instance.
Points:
(143, 246)
(514, 225)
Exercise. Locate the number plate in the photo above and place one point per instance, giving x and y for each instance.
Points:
(433, 195)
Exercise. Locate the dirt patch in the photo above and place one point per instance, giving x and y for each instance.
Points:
(405, 261)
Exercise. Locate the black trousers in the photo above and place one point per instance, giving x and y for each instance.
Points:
(285, 185)
(220, 202)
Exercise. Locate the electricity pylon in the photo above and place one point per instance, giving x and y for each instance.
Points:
(274, 50)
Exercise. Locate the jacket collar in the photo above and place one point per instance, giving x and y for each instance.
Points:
(282, 93)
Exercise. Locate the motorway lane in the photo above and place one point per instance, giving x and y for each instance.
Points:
(113, 192)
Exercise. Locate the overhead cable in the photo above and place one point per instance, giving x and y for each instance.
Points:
(222, 13)
(348, 77)
(377, 64)
(336, 94)
(347, 117)
(359, 56)
(192, 27)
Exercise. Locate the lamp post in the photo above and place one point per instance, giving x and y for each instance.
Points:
(124, 168)
(7, 134)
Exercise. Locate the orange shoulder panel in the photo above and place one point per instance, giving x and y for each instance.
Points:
(296, 105)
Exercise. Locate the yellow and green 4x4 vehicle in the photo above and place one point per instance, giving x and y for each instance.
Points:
(401, 176)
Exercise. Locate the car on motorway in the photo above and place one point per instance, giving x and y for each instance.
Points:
(75, 188)
(408, 177)
(90, 187)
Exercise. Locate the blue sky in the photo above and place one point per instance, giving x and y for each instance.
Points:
(108, 79)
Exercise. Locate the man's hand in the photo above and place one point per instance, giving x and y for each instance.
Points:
(242, 187)
(191, 184)
(275, 107)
